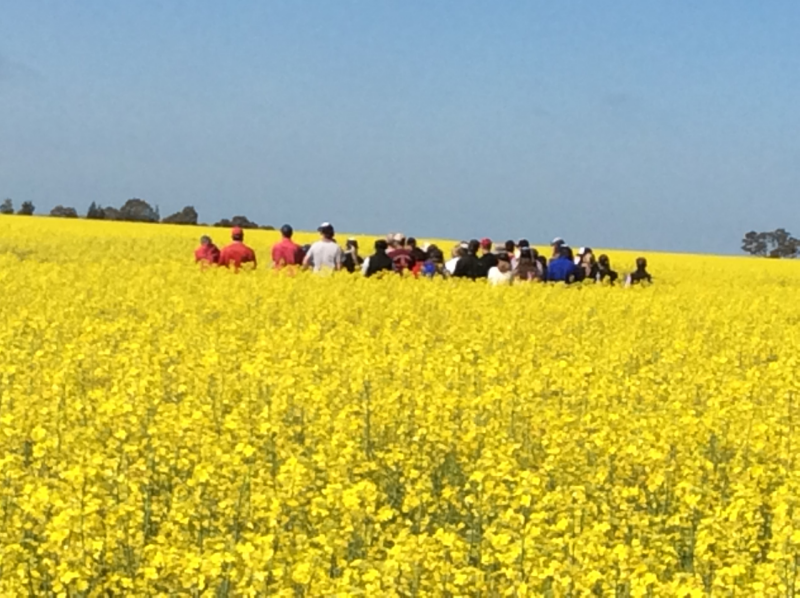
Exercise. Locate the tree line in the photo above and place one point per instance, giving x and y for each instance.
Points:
(133, 210)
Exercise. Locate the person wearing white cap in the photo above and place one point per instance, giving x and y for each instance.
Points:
(556, 244)
(325, 254)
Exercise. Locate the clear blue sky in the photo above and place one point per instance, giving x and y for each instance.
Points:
(644, 124)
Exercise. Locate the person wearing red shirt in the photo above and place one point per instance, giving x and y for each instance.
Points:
(286, 252)
(237, 253)
(401, 257)
(207, 253)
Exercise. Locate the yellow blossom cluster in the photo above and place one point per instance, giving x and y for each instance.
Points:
(167, 430)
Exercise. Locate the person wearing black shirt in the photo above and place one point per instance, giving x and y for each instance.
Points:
(469, 266)
(640, 274)
(604, 271)
(379, 261)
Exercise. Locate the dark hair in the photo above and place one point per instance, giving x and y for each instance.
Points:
(287, 231)
(641, 263)
(381, 245)
(411, 242)
(326, 231)
(523, 243)
(205, 240)
(474, 246)
(510, 246)
(525, 252)
(566, 251)
(351, 243)
(603, 260)
(435, 254)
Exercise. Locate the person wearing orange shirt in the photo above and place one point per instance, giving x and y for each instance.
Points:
(237, 253)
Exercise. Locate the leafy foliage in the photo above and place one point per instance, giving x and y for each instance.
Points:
(776, 244)
(63, 212)
(187, 215)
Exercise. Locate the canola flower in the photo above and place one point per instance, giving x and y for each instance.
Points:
(171, 431)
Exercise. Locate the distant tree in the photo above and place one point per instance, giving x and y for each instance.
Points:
(776, 244)
(62, 212)
(95, 212)
(26, 209)
(243, 222)
(187, 215)
(137, 210)
(112, 214)
(224, 223)
(7, 207)
(266, 227)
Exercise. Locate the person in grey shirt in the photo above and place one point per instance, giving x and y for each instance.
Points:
(325, 254)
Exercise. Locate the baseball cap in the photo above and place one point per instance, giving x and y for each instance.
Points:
(557, 241)
(236, 232)
(486, 242)
(325, 228)
(397, 237)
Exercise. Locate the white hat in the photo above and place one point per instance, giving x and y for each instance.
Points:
(557, 241)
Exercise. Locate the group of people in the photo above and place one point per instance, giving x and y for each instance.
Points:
(499, 264)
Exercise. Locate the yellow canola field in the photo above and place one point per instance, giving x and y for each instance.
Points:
(169, 431)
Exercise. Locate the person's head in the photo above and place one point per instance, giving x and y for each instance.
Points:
(523, 243)
(326, 230)
(510, 246)
(287, 231)
(352, 244)
(486, 244)
(474, 246)
(411, 243)
(565, 252)
(557, 242)
(399, 240)
(435, 255)
(503, 262)
(534, 253)
(205, 240)
(641, 263)
(237, 234)
(381, 246)
(604, 261)
(457, 250)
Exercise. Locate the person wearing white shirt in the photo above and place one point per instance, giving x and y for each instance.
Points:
(501, 274)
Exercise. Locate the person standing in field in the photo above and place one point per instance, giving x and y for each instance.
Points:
(488, 259)
(528, 268)
(207, 253)
(401, 255)
(351, 260)
(469, 266)
(604, 271)
(378, 261)
(325, 254)
(640, 274)
(237, 253)
(455, 255)
(434, 266)
(562, 268)
(286, 252)
(501, 275)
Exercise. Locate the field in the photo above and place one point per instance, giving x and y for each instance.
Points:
(171, 431)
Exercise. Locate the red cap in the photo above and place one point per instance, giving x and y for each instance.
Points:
(236, 232)
(486, 243)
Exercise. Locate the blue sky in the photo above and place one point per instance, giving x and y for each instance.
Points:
(641, 124)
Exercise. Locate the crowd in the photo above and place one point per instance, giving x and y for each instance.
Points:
(499, 264)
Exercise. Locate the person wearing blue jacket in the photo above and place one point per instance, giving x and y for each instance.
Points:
(562, 268)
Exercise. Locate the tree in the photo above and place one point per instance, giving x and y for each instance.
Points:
(243, 222)
(26, 209)
(62, 212)
(776, 244)
(137, 210)
(187, 215)
(7, 207)
(95, 212)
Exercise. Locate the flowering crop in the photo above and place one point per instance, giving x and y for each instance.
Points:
(169, 430)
